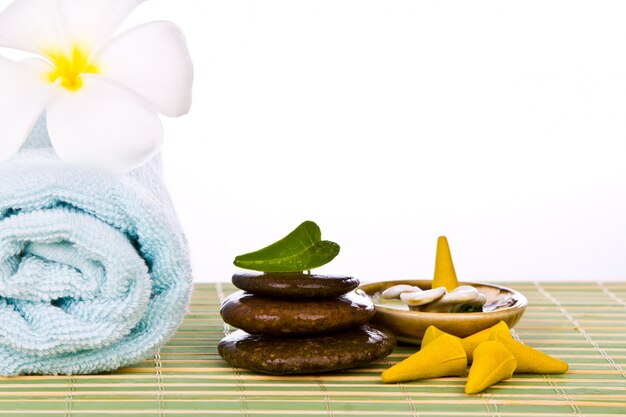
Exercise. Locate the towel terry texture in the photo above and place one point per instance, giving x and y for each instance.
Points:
(94, 267)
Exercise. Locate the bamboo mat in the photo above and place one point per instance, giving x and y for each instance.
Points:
(581, 323)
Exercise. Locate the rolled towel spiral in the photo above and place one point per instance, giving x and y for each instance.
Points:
(94, 266)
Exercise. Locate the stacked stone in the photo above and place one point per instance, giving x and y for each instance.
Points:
(300, 323)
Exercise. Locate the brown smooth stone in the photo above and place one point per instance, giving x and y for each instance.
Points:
(263, 315)
(295, 285)
(345, 349)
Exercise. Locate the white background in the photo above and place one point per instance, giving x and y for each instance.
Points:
(500, 124)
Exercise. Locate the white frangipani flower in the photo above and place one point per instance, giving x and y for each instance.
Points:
(100, 92)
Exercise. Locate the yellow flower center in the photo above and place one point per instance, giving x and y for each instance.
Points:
(70, 68)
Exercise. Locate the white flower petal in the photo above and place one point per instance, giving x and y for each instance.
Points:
(25, 93)
(90, 23)
(31, 25)
(152, 60)
(103, 125)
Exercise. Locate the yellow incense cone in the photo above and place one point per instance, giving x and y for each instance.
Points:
(471, 342)
(445, 276)
(530, 360)
(433, 333)
(492, 363)
(443, 357)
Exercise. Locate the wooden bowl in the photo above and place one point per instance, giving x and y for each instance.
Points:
(409, 326)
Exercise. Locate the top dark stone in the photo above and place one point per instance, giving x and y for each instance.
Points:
(295, 285)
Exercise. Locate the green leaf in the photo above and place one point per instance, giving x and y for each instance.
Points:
(301, 250)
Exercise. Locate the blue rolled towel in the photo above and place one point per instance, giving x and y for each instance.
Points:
(94, 267)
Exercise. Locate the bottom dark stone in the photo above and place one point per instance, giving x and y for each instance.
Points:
(345, 349)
